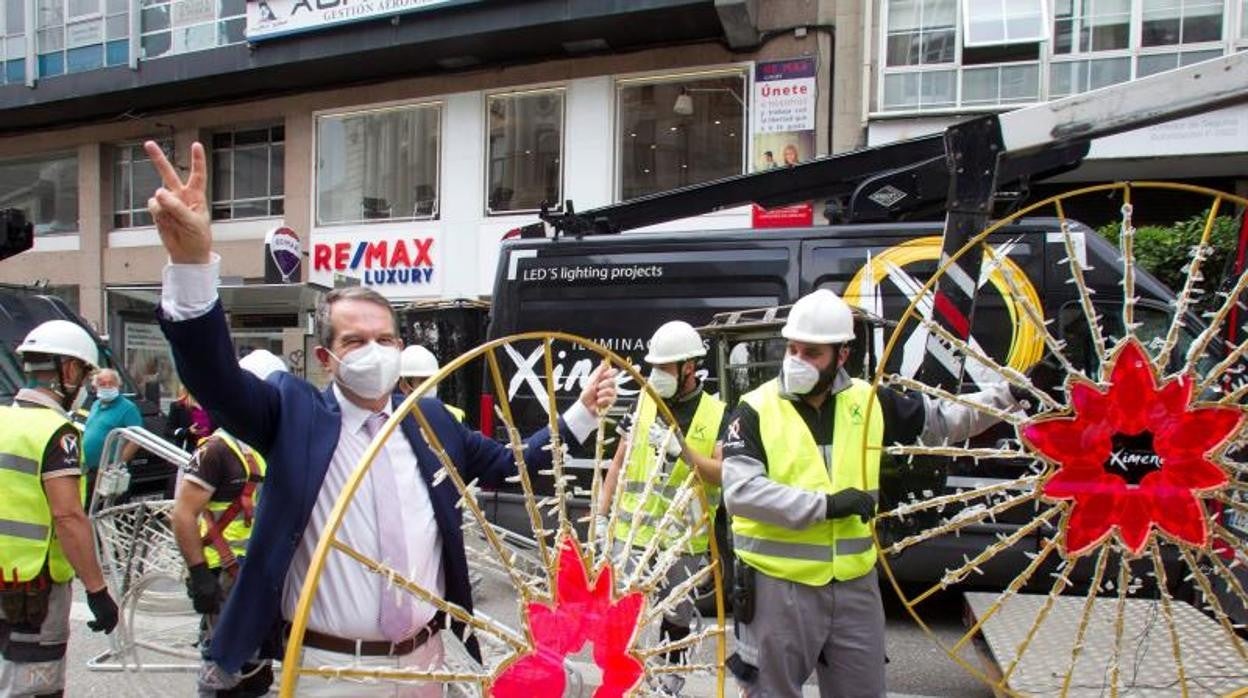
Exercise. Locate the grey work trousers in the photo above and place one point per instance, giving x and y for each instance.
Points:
(32, 662)
(836, 631)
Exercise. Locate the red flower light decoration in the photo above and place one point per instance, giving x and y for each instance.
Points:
(581, 613)
(1134, 456)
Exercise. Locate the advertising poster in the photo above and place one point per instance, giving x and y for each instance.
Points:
(150, 362)
(784, 129)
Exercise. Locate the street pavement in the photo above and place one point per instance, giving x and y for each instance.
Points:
(917, 667)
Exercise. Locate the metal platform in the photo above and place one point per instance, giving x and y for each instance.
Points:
(1213, 666)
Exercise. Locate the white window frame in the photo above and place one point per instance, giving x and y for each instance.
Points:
(745, 70)
(217, 21)
(439, 103)
(270, 197)
(560, 88)
(1046, 25)
(1231, 41)
(112, 166)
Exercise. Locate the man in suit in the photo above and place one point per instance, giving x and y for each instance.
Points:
(312, 440)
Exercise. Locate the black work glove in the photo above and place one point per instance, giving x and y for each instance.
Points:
(203, 590)
(850, 502)
(104, 609)
(624, 427)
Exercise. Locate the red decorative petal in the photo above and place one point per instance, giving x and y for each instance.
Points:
(1131, 388)
(1074, 443)
(1174, 396)
(1090, 520)
(1187, 474)
(1089, 402)
(1180, 514)
(1135, 519)
(1194, 434)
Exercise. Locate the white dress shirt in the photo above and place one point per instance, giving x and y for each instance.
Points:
(348, 597)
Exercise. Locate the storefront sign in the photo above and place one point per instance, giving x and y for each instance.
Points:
(267, 19)
(395, 264)
(283, 252)
(784, 129)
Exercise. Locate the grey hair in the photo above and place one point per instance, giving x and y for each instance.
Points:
(325, 328)
(105, 373)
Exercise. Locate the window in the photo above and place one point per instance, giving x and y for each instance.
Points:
(1080, 26)
(990, 22)
(134, 181)
(13, 42)
(77, 35)
(1170, 22)
(45, 189)
(525, 166)
(921, 32)
(378, 165)
(680, 131)
(1243, 20)
(248, 173)
(171, 27)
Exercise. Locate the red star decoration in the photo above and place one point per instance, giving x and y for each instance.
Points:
(1133, 456)
(580, 613)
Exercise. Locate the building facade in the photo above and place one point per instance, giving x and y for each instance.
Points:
(400, 142)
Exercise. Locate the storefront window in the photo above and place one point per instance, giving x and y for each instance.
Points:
(248, 173)
(134, 182)
(45, 189)
(378, 165)
(525, 166)
(76, 35)
(171, 27)
(678, 132)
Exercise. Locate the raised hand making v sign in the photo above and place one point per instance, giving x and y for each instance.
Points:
(180, 209)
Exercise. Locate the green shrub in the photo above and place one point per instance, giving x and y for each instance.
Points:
(1165, 251)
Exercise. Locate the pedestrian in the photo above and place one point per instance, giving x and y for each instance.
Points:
(313, 440)
(653, 456)
(189, 422)
(417, 363)
(111, 410)
(212, 515)
(801, 482)
(45, 537)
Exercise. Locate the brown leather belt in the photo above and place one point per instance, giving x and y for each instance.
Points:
(371, 648)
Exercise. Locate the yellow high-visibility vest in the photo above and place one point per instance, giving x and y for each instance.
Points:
(643, 465)
(238, 530)
(840, 549)
(27, 537)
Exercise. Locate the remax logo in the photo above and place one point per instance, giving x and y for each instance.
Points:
(384, 262)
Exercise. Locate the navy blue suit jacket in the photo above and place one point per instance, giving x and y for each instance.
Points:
(296, 427)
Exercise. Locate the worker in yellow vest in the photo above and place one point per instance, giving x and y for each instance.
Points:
(806, 596)
(417, 363)
(45, 537)
(212, 515)
(651, 453)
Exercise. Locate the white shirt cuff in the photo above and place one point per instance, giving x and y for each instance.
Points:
(189, 290)
(581, 422)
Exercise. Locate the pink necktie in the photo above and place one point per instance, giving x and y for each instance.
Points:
(396, 612)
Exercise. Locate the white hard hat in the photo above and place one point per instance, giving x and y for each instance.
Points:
(821, 317)
(417, 362)
(262, 363)
(61, 338)
(675, 341)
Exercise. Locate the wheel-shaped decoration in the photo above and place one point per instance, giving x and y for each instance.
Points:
(1102, 532)
(562, 607)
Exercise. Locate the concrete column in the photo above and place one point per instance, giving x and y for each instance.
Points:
(851, 75)
(463, 155)
(588, 128)
(93, 210)
(299, 180)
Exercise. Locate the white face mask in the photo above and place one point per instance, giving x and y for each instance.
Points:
(797, 377)
(107, 394)
(370, 372)
(662, 382)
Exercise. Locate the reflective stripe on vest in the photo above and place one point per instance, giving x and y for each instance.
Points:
(839, 549)
(27, 537)
(642, 466)
(457, 413)
(237, 531)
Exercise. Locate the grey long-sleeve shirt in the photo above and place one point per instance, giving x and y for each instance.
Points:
(908, 417)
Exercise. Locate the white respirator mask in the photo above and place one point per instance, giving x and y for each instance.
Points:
(663, 383)
(370, 372)
(797, 377)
